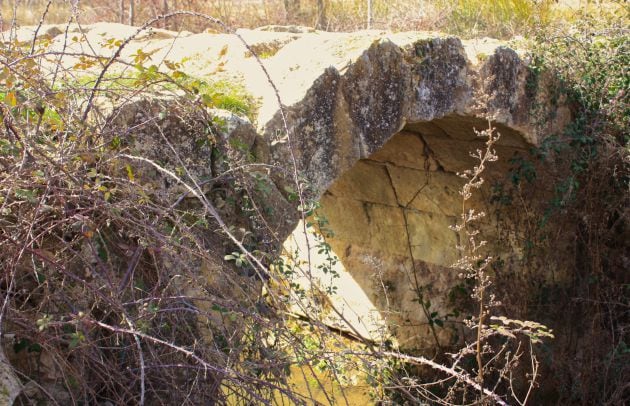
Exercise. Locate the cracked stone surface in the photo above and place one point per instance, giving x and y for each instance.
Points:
(390, 215)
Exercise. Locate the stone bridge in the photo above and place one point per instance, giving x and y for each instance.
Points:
(380, 136)
(375, 126)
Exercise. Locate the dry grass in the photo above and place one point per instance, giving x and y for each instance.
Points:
(466, 18)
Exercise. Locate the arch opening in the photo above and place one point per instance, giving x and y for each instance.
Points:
(380, 245)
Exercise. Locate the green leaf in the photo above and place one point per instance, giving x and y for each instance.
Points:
(76, 339)
(26, 194)
(130, 174)
(21, 345)
(219, 309)
(35, 347)
(207, 100)
(116, 142)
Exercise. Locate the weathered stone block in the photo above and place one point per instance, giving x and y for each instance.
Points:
(347, 217)
(431, 239)
(387, 230)
(367, 182)
(405, 149)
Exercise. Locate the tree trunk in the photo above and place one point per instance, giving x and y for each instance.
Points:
(165, 12)
(132, 11)
(322, 21)
(121, 10)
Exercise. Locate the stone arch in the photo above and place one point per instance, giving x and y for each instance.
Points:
(387, 220)
(380, 145)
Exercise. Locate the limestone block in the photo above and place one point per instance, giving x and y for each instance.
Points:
(366, 181)
(347, 217)
(389, 283)
(435, 192)
(431, 238)
(454, 155)
(379, 273)
(387, 230)
(405, 149)
(463, 128)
